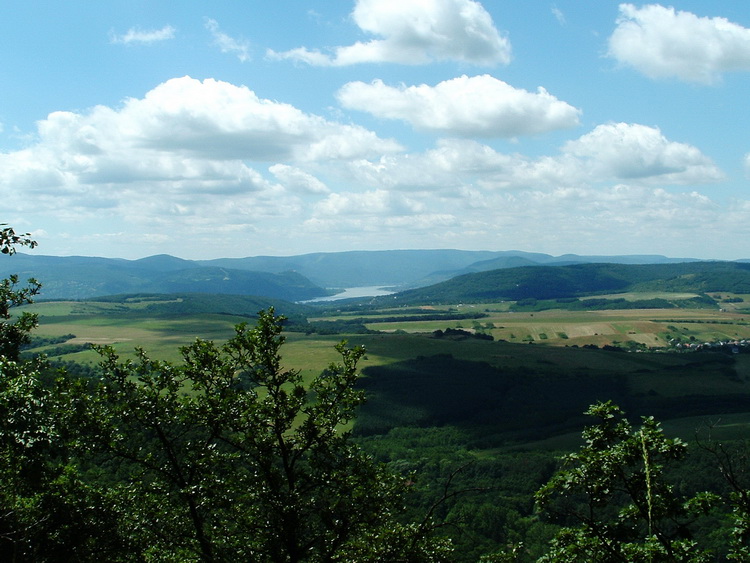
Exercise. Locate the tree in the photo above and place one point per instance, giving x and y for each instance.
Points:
(46, 512)
(614, 500)
(230, 457)
(734, 467)
(13, 335)
(9, 240)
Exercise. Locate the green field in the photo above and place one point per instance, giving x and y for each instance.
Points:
(542, 359)
(121, 325)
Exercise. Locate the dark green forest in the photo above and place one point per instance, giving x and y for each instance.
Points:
(539, 454)
(560, 282)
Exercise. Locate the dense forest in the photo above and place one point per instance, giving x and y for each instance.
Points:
(560, 282)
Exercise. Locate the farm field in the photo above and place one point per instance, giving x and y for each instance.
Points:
(121, 326)
(415, 378)
(651, 327)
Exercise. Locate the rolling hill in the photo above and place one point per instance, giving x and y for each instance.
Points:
(294, 278)
(557, 282)
(78, 277)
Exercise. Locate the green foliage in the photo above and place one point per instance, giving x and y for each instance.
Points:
(224, 457)
(46, 513)
(14, 335)
(614, 500)
(9, 239)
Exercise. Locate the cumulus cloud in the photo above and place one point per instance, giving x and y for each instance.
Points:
(480, 106)
(415, 32)
(183, 140)
(527, 219)
(211, 162)
(228, 44)
(610, 153)
(135, 35)
(663, 43)
(633, 151)
(215, 119)
(298, 180)
(378, 202)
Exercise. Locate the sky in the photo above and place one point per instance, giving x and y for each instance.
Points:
(238, 128)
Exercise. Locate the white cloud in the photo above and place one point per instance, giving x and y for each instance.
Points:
(298, 180)
(416, 32)
(559, 16)
(135, 35)
(160, 156)
(215, 119)
(465, 106)
(633, 151)
(375, 202)
(663, 43)
(608, 220)
(226, 43)
(206, 167)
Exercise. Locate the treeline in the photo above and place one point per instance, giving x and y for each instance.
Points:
(40, 341)
(604, 304)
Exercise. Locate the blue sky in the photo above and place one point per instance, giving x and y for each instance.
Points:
(252, 128)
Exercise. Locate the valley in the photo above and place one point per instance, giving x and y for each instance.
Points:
(481, 396)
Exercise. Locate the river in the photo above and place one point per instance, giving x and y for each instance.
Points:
(354, 292)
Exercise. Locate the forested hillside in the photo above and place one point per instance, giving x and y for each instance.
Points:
(78, 277)
(558, 282)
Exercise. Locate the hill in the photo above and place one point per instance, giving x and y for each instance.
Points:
(186, 304)
(558, 282)
(79, 277)
(362, 268)
(410, 268)
(295, 278)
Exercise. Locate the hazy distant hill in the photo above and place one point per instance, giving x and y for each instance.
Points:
(554, 282)
(409, 268)
(79, 277)
(294, 278)
(361, 268)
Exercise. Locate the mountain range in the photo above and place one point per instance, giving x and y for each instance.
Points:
(292, 278)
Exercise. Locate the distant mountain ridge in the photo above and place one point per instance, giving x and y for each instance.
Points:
(412, 268)
(78, 277)
(292, 278)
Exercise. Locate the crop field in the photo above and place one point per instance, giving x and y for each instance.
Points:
(105, 324)
(162, 335)
(652, 327)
